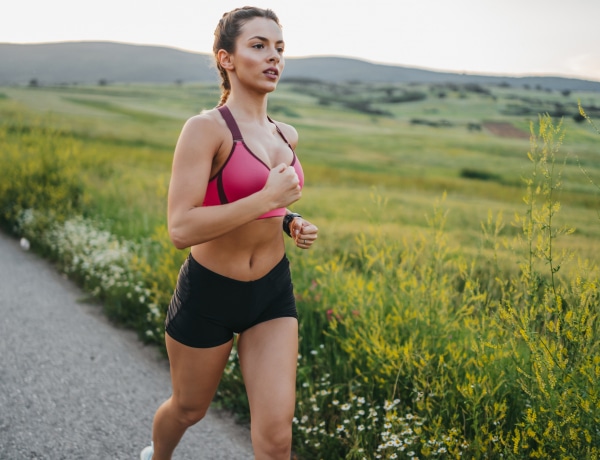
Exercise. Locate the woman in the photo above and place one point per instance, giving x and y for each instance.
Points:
(234, 175)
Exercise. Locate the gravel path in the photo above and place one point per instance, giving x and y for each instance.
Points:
(74, 386)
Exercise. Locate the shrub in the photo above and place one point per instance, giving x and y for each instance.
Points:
(471, 173)
(38, 170)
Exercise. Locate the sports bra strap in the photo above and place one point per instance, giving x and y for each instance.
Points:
(231, 124)
(281, 134)
(235, 131)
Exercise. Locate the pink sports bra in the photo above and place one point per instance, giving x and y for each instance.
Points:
(243, 173)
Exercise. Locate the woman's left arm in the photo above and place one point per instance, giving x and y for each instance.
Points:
(301, 230)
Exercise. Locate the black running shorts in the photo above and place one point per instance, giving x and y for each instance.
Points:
(207, 308)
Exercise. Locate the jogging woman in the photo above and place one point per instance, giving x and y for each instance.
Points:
(235, 174)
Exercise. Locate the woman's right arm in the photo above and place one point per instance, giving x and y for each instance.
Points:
(189, 222)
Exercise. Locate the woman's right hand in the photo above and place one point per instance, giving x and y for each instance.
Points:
(283, 186)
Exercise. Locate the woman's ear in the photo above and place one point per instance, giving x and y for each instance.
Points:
(225, 59)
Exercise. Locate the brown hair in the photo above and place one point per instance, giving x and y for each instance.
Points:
(226, 33)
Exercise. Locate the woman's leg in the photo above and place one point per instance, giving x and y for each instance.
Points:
(195, 376)
(268, 358)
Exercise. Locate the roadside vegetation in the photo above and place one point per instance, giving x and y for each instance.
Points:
(450, 308)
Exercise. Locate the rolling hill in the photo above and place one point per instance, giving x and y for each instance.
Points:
(108, 62)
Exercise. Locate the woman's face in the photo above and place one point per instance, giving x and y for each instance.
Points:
(258, 58)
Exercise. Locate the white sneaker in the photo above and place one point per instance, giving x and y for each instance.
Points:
(147, 452)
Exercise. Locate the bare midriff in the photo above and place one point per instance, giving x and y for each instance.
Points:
(246, 253)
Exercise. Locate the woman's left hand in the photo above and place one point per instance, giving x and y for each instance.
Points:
(303, 232)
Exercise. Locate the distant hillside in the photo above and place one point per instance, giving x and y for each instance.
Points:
(339, 69)
(92, 62)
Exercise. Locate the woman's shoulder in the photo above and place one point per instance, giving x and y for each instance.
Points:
(206, 123)
(205, 131)
(209, 118)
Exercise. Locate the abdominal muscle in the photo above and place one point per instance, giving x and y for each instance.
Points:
(246, 253)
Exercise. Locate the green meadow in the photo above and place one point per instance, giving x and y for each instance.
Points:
(450, 307)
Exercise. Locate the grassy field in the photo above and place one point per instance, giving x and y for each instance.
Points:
(450, 308)
(128, 135)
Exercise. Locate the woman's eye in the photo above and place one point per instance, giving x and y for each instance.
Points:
(280, 50)
(258, 46)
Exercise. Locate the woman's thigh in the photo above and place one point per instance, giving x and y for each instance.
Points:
(268, 355)
(196, 372)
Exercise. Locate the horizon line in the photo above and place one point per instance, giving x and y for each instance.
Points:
(326, 56)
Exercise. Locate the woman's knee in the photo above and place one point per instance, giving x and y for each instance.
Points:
(274, 439)
(188, 414)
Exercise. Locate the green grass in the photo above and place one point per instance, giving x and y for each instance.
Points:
(128, 134)
(438, 308)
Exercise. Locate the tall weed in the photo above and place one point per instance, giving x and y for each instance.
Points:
(39, 169)
(403, 337)
(553, 326)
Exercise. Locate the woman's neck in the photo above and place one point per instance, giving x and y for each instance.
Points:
(248, 107)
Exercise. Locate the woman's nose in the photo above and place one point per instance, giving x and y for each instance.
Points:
(274, 57)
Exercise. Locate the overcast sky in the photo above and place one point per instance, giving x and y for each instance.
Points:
(498, 37)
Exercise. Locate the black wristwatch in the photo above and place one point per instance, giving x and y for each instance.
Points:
(287, 220)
